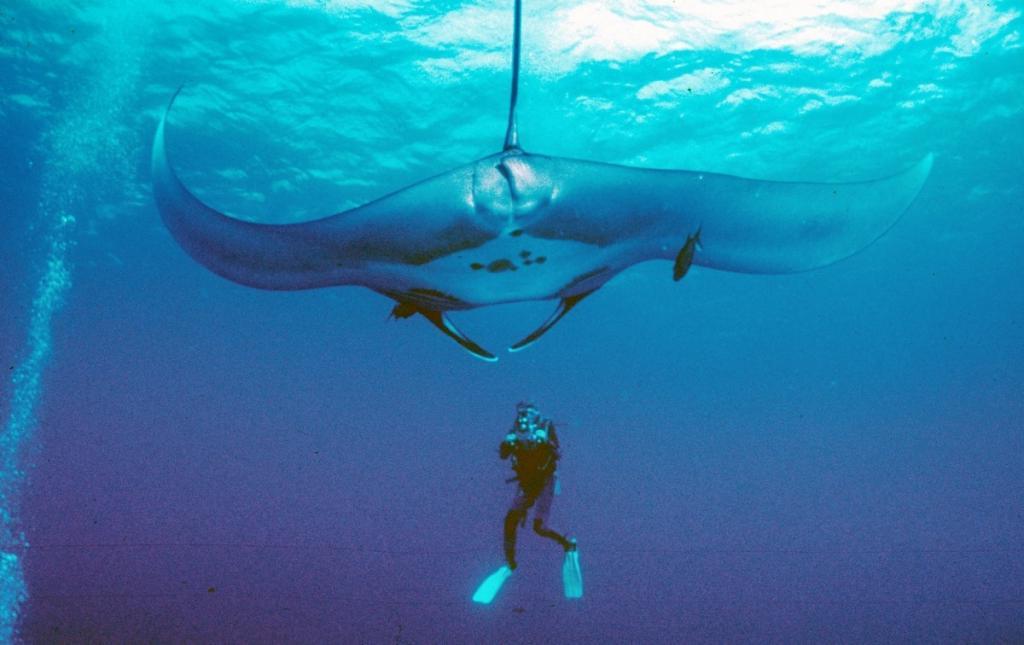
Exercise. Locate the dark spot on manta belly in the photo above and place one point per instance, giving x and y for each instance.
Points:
(516, 233)
(501, 265)
(504, 264)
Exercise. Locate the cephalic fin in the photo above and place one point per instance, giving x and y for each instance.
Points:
(564, 305)
(685, 257)
(405, 309)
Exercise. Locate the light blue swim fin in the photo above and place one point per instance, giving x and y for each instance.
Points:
(572, 577)
(490, 587)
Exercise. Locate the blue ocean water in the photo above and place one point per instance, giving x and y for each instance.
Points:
(832, 455)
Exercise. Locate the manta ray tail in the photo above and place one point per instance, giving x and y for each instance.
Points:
(563, 308)
(511, 134)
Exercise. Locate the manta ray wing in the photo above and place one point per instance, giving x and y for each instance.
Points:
(745, 225)
(629, 215)
(410, 227)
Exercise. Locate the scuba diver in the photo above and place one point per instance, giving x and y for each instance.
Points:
(532, 445)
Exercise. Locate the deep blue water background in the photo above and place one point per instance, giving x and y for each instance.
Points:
(833, 455)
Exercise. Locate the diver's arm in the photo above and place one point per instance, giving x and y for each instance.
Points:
(553, 439)
(507, 446)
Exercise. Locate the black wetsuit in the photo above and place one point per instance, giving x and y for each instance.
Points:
(534, 463)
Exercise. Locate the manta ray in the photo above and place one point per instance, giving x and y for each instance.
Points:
(518, 226)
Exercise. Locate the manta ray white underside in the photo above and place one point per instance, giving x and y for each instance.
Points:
(517, 226)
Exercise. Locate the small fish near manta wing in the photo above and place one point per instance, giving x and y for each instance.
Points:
(516, 226)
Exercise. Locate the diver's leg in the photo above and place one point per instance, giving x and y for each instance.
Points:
(512, 520)
(540, 516)
(516, 517)
(543, 531)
